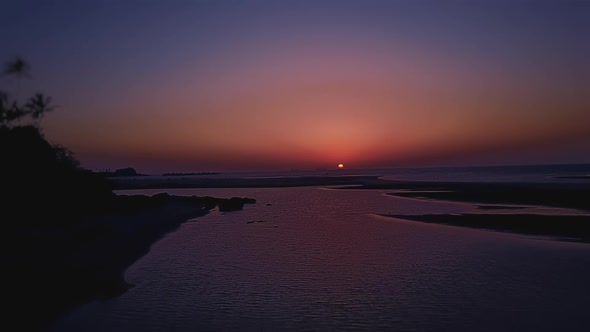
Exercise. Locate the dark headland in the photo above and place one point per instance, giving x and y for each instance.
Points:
(67, 238)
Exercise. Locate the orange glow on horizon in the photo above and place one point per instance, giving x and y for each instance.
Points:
(307, 95)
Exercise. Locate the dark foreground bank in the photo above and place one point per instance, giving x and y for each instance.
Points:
(52, 267)
(66, 237)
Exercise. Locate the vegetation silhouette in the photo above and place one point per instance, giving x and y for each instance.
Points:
(37, 173)
(189, 173)
(67, 237)
(11, 111)
(18, 67)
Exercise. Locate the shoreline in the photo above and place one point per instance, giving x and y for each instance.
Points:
(549, 195)
(571, 228)
(92, 264)
(565, 195)
(495, 196)
(54, 270)
(271, 182)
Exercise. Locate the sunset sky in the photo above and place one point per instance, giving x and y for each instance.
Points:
(263, 85)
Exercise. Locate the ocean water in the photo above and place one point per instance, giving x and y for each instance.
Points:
(527, 173)
(322, 259)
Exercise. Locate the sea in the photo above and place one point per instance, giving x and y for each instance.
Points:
(517, 173)
(323, 258)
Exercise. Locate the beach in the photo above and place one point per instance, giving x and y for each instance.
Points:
(493, 197)
(325, 258)
(90, 261)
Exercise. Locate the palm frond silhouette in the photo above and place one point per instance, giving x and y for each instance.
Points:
(18, 67)
(38, 105)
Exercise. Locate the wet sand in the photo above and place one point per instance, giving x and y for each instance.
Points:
(553, 195)
(568, 228)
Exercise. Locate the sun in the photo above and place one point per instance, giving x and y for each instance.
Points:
(340, 166)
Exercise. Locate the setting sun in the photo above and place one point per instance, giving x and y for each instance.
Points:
(340, 166)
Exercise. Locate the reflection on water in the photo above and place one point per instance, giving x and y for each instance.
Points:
(530, 173)
(321, 259)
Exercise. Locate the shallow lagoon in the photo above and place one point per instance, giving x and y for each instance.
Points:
(314, 258)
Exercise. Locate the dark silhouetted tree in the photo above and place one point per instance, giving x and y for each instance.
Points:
(33, 172)
(11, 111)
(18, 67)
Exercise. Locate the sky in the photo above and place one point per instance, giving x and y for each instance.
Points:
(213, 85)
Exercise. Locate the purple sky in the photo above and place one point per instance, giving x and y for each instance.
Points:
(256, 85)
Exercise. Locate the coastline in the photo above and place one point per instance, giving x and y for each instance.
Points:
(574, 228)
(553, 194)
(270, 182)
(107, 245)
(54, 270)
(496, 197)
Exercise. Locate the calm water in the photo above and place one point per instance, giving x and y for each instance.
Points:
(527, 173)
(323, 260)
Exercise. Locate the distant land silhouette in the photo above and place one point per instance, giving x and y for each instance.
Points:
(581, 177)
(129, 171)
(190, 173)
